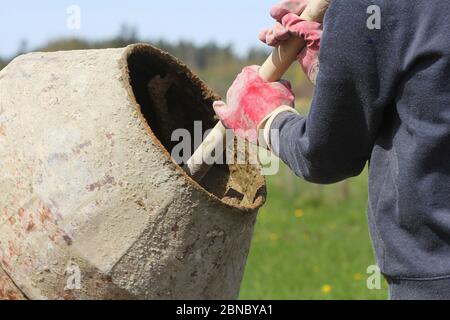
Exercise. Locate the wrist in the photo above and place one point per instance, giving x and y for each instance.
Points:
(264, 128)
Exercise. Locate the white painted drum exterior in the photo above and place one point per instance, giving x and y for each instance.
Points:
(92, 205)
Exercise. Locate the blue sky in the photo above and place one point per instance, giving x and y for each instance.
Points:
(227, 22)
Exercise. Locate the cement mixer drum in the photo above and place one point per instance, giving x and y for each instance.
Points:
(92, 206)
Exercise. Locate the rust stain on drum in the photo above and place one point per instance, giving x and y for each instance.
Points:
(45, 215)
(14, 251)
(7, 291)
(99, 184)
(12, 221)
(31, 226)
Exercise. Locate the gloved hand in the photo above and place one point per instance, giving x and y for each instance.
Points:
(278, 33)
(289, 24)
(250, 101)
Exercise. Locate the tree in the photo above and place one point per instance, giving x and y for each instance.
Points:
(2, 63)
(66, 44)
(23, 47)
(257, 55)
(216, 64)
(127, 35)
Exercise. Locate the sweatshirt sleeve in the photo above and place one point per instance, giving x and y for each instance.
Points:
(354, 84)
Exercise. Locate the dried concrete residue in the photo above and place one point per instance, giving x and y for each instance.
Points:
(171, 97)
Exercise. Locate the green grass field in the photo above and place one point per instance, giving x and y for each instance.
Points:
(311, 242)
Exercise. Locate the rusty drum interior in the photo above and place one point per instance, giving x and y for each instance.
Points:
(171, 97)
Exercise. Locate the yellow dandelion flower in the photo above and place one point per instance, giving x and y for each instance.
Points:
(357, 277)
(299, 213)
(273, 237)
(326, 289)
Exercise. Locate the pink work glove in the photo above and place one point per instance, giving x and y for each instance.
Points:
(278, 33)
(250, 101)
(289, 24)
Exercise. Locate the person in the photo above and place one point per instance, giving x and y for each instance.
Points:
(382, 98)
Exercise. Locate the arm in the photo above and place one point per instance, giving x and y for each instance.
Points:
(335, 140)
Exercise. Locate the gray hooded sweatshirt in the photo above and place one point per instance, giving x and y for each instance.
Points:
(383, 98)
